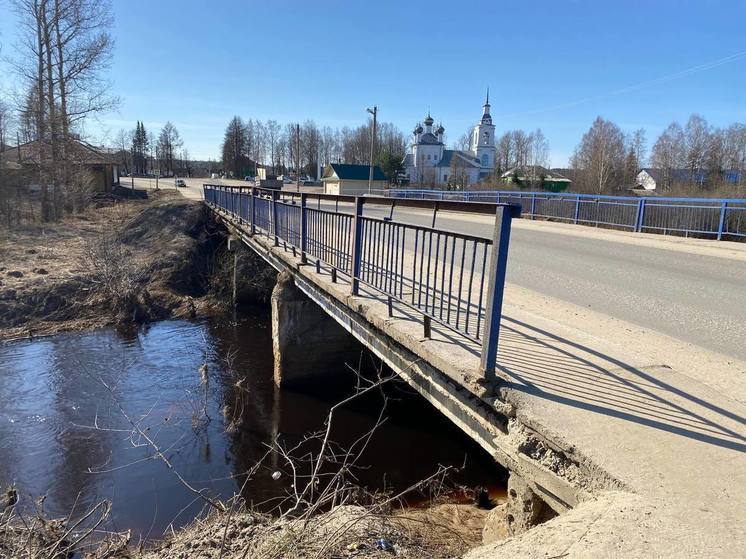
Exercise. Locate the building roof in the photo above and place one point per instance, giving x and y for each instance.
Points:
(346, 171)
(462, 157)
(428, 138)
(407, 161)
(525, 171)
(78, 152)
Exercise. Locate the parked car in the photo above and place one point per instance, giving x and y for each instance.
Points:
(180, 183)
(247, 178)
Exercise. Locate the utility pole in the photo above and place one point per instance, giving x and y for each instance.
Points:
(297, 157)
(374, 112)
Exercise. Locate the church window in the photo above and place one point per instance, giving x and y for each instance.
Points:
(486, 159)
(445, 177)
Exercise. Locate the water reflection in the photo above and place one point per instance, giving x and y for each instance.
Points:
(62, 433)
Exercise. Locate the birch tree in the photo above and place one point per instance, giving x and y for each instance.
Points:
(600, 155)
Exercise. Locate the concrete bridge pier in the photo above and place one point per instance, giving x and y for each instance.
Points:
(522, 510)
(306, 341)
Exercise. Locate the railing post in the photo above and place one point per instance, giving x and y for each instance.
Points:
(275, 196)
(640, 215)
(533, 204)
(357, 244)
(252, 211)
(303, 228)
(577, 209)
(495, 287)
(721, 223)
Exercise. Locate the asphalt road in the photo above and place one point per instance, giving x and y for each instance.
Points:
(696, 298)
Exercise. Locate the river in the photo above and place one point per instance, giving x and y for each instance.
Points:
(64, 432)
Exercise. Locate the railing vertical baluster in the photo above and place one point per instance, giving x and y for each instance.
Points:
(640, 215)
(577, 209)
(357, 244)
(252, 211)
(498, 266)
(721, 221)
(273, 217)
(303, 228)
(533, 204)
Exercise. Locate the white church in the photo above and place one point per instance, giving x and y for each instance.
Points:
(430, 164)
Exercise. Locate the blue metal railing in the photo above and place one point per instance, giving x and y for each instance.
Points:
(454, 279)
(720, 218)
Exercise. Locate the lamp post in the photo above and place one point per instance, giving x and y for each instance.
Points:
(374, 112)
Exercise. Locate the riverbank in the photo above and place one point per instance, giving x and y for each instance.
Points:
(123, 262)
(439, 532)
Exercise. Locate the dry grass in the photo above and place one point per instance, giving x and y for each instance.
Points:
(86, 270)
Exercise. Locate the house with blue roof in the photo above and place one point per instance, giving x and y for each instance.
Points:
(430, 164)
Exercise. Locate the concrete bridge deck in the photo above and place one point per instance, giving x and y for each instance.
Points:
(650, 460)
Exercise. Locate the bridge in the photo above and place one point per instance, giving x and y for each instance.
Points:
(594, 432)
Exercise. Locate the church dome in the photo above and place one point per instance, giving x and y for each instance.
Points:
(418, 129)
(429, 121)
(440, 129)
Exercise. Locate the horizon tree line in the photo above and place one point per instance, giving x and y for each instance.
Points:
(248, 143)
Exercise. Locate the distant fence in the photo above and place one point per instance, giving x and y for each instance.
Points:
(454, 279)
(717, 218)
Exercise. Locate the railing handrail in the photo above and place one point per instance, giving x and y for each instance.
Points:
(721, 218)
(714, 201)
(441, 205)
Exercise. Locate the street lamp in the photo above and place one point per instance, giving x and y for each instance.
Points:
(374, 112)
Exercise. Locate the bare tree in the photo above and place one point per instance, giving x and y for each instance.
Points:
(697, 142)
(169, 142)
(600, 155)
(122, 143)
(273, 135)
(669, 153)
(638, 145)
(4, 123)
(64, 47)
(464, 142)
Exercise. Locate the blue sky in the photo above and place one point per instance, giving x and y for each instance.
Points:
(554, 65)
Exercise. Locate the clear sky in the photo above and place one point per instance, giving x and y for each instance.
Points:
(553, 64)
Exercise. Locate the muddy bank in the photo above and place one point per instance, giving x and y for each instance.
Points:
(122, 262)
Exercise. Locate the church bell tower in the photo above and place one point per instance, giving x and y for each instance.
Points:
(483, 138)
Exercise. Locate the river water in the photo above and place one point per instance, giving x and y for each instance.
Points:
(64, 432)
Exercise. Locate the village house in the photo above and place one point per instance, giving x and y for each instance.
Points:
(429, 163)
(20, 165)
(536, 177)
(351, 180)
(652, 179)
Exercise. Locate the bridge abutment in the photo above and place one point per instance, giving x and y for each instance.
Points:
(306, 341)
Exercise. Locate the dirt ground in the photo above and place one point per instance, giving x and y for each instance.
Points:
(68, 275)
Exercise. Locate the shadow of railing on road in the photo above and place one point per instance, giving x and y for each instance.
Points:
(551, 367)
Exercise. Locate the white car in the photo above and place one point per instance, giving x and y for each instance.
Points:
(180, 183)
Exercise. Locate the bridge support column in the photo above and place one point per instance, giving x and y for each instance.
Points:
(306, 341)
(523, 510)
